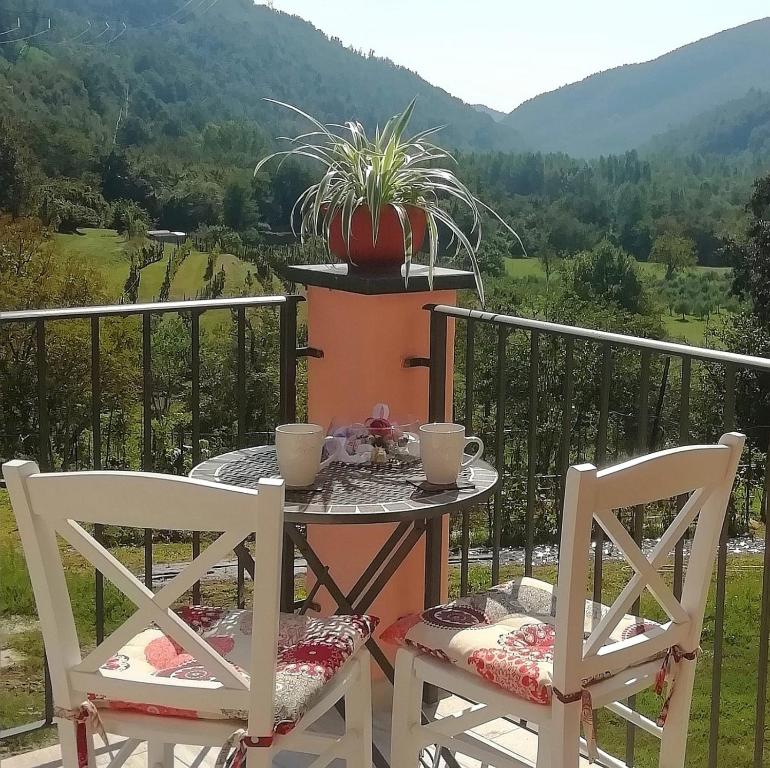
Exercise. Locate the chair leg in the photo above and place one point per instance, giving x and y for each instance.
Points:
(358, 715)
(407, 700)
(68, 743)
(673, 745)
(544, 747)
(564, 734)
(160, 755)
(259, 758)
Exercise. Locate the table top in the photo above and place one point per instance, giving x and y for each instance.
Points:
(349, 493)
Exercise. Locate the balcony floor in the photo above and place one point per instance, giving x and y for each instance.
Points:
(506, 734)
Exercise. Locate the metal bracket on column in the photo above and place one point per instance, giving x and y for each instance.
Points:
(309, 352)
(417, 362)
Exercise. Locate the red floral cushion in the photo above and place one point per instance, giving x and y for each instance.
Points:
(310, 651)
(505, 635)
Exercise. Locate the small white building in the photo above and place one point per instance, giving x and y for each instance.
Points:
(166, 236)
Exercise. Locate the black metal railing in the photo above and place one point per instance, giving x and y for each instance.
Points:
(542, 395)
(35, 324)
(513, 373)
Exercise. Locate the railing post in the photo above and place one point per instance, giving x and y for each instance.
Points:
(642, 445)
(437, 401)
(437, 383)
(195, 426)
(147, 430)
(534, 365)
(42, 397)
(470, 354)
(684, 438)
(437, 395)
(497, 509)
(288, 395)
(240, 376)
(96, 445)
(601, 457)
(43, 463)
(719, 598)
(566, 427)
(288, 414)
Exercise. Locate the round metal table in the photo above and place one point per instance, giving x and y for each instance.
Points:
(354, 494)
(350, 494)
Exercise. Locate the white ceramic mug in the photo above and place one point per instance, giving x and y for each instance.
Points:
(298, 447)
(441, 449)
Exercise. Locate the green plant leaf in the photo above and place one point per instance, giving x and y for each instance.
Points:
(406, 231)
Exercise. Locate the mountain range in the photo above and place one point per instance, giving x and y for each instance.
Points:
(193, 61)
(130, 70)
(625, 107)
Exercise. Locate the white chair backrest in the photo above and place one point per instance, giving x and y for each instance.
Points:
(706, 473)
(55, 503)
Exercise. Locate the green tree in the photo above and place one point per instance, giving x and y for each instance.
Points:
(675, 251)
(682, 307)
(492, 253)
(609, 273)
(752, 259)
(14, 173)
(239, 211)
(129, 218)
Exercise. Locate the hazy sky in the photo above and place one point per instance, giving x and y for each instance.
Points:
(502, 52)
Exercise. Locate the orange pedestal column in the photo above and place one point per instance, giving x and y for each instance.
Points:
(365, 341)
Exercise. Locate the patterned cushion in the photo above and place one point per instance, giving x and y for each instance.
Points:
(310, 651)
(505, 635)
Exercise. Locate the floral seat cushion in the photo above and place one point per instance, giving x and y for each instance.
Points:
(505, 635)
(310, 651)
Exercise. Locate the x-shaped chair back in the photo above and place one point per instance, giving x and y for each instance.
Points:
(706, 474)
(57, 503)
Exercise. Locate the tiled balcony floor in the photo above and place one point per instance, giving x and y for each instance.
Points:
(506, 734)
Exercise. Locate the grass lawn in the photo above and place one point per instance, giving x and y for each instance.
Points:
(21, 691)
(692, 330)
(521, 268)
(104, 249)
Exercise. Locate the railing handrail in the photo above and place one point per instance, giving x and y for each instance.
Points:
(109, 310)
(665, 347)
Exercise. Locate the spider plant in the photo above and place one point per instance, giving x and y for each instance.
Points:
(389, 169)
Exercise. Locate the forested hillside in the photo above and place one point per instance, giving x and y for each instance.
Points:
(166, 70)
(737, 127)
(623, 108)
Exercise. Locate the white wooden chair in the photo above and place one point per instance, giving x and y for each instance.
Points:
(587, 667)
(242, 695)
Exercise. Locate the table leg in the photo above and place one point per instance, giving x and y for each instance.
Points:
(433, 540)
(433, 536)
(322, 574)
(287, 575)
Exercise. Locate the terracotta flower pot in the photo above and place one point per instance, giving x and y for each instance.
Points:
(387, 254)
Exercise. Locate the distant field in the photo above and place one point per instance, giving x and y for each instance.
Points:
(103, 249)
(691, 330)
(524, 268)
(106, 250)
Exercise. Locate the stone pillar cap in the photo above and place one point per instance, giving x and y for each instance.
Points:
(340, 278)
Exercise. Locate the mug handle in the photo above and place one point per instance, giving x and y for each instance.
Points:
(470, 459)
(331, 446)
